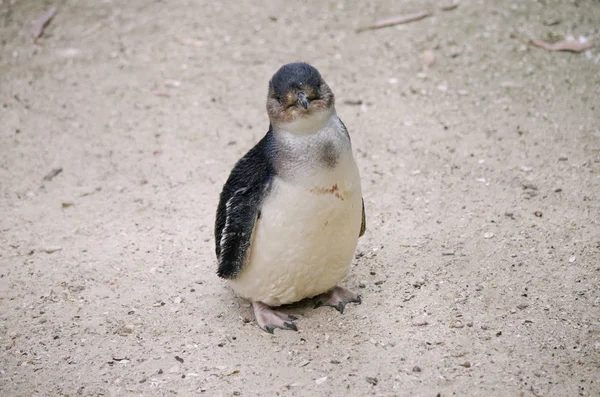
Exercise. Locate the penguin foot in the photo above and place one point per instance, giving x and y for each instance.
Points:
(269, 319)
(337, 297)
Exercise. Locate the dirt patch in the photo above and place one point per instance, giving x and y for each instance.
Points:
(479, 271)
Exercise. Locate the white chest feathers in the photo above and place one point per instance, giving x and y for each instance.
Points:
(304, 241)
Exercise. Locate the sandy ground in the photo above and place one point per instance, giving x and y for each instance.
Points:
(107, 270)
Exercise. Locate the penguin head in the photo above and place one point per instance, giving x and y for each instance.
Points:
(299, 100)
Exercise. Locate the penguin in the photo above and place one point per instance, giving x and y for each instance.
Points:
(291, 211)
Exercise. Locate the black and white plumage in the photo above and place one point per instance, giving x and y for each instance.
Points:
(291, 211)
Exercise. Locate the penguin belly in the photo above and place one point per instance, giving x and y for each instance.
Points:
(304, 240)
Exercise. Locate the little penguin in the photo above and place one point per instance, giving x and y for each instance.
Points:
(291, 212)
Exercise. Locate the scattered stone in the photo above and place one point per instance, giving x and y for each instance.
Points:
(572, 259)
(428, 58)
(353, 102)
(447, 253)
(419, 283)
(174, 369)
(179, 359)
(522, 306)
(551, 21)
(178, 300)
(449, 5)
(67, 204)
(562, 158)
(320, 380)
(416, 369)
(160, 371)
(53, 173)
(379, 282)
(558, 190)
(334, 362)
(372, 380)
(466, 364)
(488, 235)
(143, 380)
(457, 324)
(158, 304)
(538, 214)
(419, 322)
(51, 249)
(361, 285)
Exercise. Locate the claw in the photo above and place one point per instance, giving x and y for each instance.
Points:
(291, 326)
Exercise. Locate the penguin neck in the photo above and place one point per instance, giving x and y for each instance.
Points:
(298, 155)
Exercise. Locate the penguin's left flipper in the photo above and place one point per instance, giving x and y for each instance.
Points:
(363, 223)
(337, 297)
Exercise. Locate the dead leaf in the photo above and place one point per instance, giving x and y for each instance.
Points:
(397, 20)
(563, 45)
(37, 29)
(428, 58)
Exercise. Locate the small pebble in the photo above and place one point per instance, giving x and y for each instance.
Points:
(52, 249)
(179, 359)
(67, 204)
(320, 380)
(488, 235)
(538, 214)
(419, 283)
(419, 322)
(416, 369)
(466, 364)
(522, 306)
(457, 324)
(447, 253)
(372, 380)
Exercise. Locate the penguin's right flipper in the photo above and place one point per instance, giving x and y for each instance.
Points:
(239, 208)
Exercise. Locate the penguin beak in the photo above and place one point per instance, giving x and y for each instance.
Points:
(302, 100)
